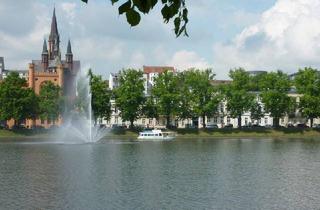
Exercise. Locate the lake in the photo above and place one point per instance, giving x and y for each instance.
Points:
(182, 174)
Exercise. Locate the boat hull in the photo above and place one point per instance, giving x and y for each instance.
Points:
(153, 138)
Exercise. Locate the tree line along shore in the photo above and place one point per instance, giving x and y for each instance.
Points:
(178, 95)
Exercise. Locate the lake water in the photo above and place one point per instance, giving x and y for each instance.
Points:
(182, 174)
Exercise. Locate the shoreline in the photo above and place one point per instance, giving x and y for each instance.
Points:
(185, 133)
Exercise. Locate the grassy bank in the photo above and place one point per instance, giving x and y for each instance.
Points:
(187, 133)
(24, 133)
(233, 133)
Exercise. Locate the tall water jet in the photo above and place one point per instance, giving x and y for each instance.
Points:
(78, 124)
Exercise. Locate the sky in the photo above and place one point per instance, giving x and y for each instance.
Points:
(253, 34)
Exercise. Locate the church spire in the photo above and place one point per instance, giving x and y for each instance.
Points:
(54, 38)
(54, 27)
(69, 56)
(69, 51)
(44, 55)
(44, 48)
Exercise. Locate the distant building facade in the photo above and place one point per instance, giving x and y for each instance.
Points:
(149, 75)
(51, 67)
(4, 72)
(222, 117)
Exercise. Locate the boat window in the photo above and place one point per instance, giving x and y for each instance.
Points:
(149, 134)
(156, 134)
(160, 134)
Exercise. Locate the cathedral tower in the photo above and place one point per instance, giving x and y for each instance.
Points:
(54, 38)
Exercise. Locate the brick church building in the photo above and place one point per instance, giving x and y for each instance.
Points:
(51, 67)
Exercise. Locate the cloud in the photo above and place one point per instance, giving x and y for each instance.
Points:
(187, 59)
(69, 9)
(287, 36)
(137, 60)
(18, 43)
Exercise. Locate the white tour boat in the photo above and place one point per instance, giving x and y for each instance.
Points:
(156, 135)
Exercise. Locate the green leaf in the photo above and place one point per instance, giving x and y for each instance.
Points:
(153, 3)
(144, 5)
(112, 1)
(177, 22)
(125, 7)
(185, 15)
(166, 13)
(133, 17)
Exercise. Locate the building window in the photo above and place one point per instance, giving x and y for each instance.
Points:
(266, 121)
(228, 120)
(215, 120)
(143, 121)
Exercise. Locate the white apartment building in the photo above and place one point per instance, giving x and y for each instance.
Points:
(149, 75)
(221, 119)
(5, 72)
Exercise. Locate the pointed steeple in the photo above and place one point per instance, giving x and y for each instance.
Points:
(54, 38)
(54, 27)
(69, 55)
(69, 51)
(44, 48)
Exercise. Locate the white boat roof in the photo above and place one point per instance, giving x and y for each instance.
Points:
(152, 131)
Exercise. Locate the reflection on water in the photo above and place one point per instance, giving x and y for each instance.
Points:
(183, 174)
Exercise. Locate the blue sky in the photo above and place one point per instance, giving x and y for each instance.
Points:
(254, 34)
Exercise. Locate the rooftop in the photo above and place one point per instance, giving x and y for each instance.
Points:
(157, 69)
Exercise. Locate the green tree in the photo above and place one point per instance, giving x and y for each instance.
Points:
(50, 101)
(185, 108)
(256, 80)
(100, 97)
(16, 100)
(130, 94)
(307, 82)
(204, 96)
(166, 94)
(256, 111)
(150, 109)
(171, 9)
(239, 99)
(275, 87)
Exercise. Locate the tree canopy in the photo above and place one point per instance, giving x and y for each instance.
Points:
(166, 94)
(16, 100)
(307, 82)
(171, 9)
(100, 97)
(238, 97)
(129, 96)
(204, 97)
(50, 101)
(275, 87)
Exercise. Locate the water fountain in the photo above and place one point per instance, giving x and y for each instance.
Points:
(78, 124)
